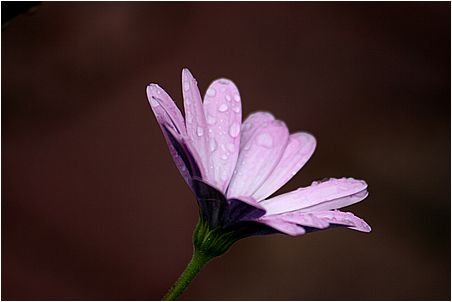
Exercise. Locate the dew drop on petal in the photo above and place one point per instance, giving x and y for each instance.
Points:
(247, 126)
(228, 98)
(234, 130)
(186, 86)
(265, 140)
(224, 156)
(223, 107)
(211, 92)
(199, 131)
(154, 103)
(236, 109)
(237, 98)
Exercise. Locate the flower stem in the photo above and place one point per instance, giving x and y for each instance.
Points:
(197, 262)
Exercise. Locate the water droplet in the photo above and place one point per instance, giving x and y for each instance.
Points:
(186, 86)
(211, 120)
(230, 147)
(211, 92)
(223, 81)
(237, 98)
(212, 145)
(228, 98)
(236, 109)
(199, 131)
(247, 126)
(234, 130)
(224, 107)
(224, 156)
(154, 103)
(265, 140)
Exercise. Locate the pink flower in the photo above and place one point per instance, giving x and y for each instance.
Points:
(234, 168)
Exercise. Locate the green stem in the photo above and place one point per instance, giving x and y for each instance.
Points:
(197, 262)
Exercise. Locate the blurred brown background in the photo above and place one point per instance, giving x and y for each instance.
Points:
(94, 208)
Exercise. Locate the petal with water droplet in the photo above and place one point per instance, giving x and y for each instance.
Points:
(253, 122)
(172, 124)
(196, 122)
(225, 129)
(343, 218)
(327, 195)
(161, 103)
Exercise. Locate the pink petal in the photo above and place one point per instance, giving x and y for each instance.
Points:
(327, 195)
(172, 124)
(253, 122)
(258, 157)
(315, 221)
(283, 226)
(195, 120)
(343, 218)
(165, 109)
(298, 151)
(222, 108)
(304, 219)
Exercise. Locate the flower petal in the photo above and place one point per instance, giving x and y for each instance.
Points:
(253, 122)
(223, 111)
(171, 122)
(298, 151)
(303, 219)
(327, 195)
(165, 109)
(315, 221)
(257, 158)
(195, 120)
(282, 226)
(343, 219)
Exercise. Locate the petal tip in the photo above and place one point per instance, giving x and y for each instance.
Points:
(186, 74)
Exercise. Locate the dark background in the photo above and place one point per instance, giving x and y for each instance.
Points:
(94, 208)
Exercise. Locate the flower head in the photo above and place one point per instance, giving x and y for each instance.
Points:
(233, 167)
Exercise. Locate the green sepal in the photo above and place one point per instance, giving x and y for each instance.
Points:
(212, 242)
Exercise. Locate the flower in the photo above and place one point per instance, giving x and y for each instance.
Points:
(233, 168)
